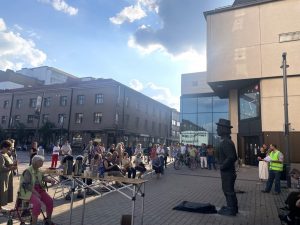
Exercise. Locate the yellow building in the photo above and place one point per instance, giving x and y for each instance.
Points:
(245, 43)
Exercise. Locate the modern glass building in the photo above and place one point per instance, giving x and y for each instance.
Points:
(200, 109)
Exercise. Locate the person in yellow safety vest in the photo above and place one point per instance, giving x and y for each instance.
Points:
(32, 189)
(275, 159)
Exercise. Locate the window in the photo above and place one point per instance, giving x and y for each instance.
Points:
(173, 122)
(61, 119)
(47, 101)
(5, 104)
(137, 121)
(32, 103)
(153, 126)
(178, 124)
(137, 106)
(3, 120)
(99, 98)
(97, 117)
(17, 118)
(45, 118)
(80, 99)
(30, 118)
(63, 100)
(249, 102)
(127, 102)
(159, 128)
(127, 119)
(18, 103)
(205, 104)
(188, 105)
(78, 118)
(146, 125)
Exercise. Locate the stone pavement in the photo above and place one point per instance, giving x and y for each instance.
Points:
(175, 186)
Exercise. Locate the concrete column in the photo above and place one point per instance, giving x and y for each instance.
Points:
(234, 114)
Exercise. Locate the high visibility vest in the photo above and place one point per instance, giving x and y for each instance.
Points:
(24, 193)
(274, 155)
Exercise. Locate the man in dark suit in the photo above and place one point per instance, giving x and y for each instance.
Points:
(227, 158)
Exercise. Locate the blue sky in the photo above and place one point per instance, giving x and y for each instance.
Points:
(144, 44)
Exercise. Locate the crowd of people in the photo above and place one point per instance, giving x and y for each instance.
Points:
(118, 160)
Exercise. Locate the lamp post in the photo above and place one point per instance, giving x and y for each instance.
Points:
(37, 113)
(61, 122)
(286, 119)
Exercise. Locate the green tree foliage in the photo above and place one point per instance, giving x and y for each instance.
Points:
(47, 132)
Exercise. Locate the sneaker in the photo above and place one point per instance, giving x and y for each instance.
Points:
(264, 191)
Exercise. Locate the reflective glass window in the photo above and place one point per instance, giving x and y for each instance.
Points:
(189, 122)
(205, 104)
(189, 105)
(205, 121)
(220, 105)
(249, 102)
(216, 117)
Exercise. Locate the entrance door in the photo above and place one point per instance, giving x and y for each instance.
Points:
(251, 148)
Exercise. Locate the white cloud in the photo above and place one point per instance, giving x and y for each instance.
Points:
(61, 5)
(194, 60)
(164, 95)
(130, 14)
(136, 85)
(17, 52)
(156, 92)
(18, 27)
(2, 25)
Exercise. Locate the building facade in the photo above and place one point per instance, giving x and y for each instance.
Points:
(12, 80)
(48, 75)
(246, 42)
(200, 109)
(101, 109)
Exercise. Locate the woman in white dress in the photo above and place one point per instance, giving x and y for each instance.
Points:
(263, 171)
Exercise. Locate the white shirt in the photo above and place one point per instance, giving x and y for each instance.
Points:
(66, 149)
(160, 151)
(55, 150)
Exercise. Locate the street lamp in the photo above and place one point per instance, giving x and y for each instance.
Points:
(61, 123)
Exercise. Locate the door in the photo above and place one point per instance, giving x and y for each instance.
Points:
(251, 146)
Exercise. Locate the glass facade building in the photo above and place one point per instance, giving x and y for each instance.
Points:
(199, 115)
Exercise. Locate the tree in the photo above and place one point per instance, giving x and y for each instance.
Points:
(3, 134)
(21, 132)
(46, 132)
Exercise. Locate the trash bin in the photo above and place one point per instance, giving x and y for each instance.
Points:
(67, 165)
(78, 165)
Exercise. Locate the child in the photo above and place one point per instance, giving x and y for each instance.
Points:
(139, 165)
(55, 154)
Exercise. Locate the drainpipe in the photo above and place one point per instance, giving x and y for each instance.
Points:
(286, 120)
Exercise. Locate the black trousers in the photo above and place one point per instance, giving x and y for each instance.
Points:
(228, 179)
(291, 202)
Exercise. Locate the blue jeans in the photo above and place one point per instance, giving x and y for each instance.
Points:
(273, 175)
(162, 161)
(211, 161)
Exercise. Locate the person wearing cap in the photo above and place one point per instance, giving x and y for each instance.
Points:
(227, 158)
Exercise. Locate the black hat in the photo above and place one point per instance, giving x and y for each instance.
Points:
(224, 123)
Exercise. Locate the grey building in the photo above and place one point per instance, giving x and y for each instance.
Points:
(94, 108)
(48, 75)
(12, 80)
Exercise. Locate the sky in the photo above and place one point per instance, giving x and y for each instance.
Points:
(144, 44)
